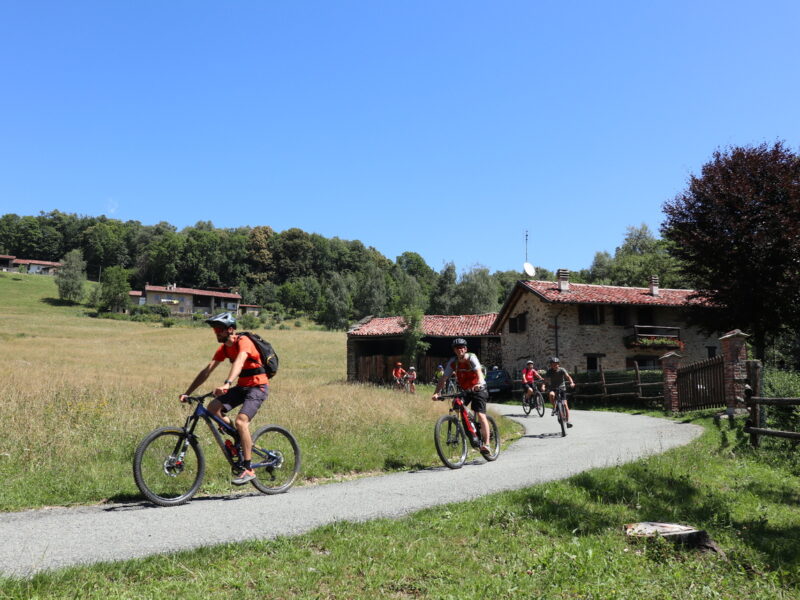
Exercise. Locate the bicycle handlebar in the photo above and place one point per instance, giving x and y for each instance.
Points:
(193, 399)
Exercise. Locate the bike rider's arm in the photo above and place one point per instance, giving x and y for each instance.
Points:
(201, 377)
(233, 374)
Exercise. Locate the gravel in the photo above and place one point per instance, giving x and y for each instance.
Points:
(53, 538)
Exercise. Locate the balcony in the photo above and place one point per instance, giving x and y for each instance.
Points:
(652, 337)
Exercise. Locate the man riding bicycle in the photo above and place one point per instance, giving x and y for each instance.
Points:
(250, 391)
(556, 377)
(529, 376)
(399, 374)
(469, 375)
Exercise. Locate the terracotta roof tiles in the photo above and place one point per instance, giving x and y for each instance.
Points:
(432, 325)
(585, 293)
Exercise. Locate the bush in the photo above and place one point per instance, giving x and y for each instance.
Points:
(782, 384)
(248, 321)
(168, 322)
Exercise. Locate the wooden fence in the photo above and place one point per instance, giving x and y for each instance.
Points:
(753, 425)
(702, 385)
(622, 386)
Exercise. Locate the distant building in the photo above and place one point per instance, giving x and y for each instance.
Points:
(32, 266)
(187, 301)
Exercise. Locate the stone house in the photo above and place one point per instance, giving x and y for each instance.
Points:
(589, 326)
(187, 301)
(375, 344)
(31, 266)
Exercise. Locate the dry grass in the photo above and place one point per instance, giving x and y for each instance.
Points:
(80, 393)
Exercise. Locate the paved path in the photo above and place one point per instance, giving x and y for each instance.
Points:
(39, 540)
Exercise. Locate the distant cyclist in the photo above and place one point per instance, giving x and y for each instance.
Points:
(529, 377)
(469, 375)
(557, 377)
(438, 374)
(411, 378)
(399, 374)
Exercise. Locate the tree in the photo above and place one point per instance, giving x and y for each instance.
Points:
(737, 229)
(371, 294)
(114, 288)
(476, 292)
(443, 296)
(337, 303)
(414, 347)
(70, 277)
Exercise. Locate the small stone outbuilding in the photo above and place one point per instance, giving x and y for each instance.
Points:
(375, 344)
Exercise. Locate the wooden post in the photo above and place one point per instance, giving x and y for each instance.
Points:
(754, 390)
(638, 381)
(603, 380)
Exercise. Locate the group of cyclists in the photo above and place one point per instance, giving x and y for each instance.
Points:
(247, 386)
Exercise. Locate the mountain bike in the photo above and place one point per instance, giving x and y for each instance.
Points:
(169, 465)
(535, 401)
(453, 430)
(560, 410)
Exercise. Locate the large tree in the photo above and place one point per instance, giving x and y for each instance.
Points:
(70, 277)
(737, 229)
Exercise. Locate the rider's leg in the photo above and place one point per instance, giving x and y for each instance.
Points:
(551, 395)
(484, 428)
(215, 408)
(243, 427)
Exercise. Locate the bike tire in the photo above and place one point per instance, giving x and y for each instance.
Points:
(561, 414)
(451, 443)
(539, 403)
(276, 446)
(159, 475)
(494, 440)
(526, 404)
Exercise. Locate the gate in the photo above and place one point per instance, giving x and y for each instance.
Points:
(702, 385)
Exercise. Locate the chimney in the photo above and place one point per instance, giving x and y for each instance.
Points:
(563, 280)
(654, 285)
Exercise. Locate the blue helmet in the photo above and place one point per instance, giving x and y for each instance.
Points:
(225, 320)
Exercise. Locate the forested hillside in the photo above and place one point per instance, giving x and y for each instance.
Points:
(293, 272)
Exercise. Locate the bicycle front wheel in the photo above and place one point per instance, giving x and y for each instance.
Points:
(451, 443)
(494, 440)
(526, 404)
(168, 466)
(539, 401)
(562, 417)
(276, 459)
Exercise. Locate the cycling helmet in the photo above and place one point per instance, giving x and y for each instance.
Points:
(225, 320)
(554, 359)
(412, 368)
(459, 342)
(440, 367)
(530, 362)
(398, 364)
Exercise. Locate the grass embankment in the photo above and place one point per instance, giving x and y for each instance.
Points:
(556, 540)
(80, 393)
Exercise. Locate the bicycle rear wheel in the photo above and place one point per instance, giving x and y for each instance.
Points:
(494, 440)
(561, 414)
(276, 459)
(168, 466)
(451, 443)
(539, 402)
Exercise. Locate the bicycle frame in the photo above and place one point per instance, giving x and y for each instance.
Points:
(458, 406)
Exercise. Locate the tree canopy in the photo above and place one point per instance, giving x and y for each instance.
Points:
(736, 228)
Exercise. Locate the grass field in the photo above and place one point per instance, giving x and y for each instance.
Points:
(556, 540)
(80, 393)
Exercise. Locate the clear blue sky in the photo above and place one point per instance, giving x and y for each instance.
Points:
(446, 128)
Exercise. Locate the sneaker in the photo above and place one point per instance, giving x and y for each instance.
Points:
(485, 449)
(247, 475)
(569, 424)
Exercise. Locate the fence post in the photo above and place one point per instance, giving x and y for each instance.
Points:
(669, 365)
(734, 351)
(754, 390)
(638, 380)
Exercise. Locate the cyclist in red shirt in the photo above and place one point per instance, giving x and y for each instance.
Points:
(399, 374)
(469, 375)
(529, 376)
(250, 391)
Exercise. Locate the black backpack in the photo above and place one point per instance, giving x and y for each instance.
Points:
(269, 359)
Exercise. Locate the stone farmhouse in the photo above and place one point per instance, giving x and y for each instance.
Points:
(187, 301)
(589, 326)
(375, 344)
(39, 267)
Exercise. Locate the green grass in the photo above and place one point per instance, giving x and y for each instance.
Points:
(556, 540)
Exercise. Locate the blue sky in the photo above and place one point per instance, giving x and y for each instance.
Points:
(447, 128)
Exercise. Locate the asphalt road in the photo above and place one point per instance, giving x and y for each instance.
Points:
(47, 539)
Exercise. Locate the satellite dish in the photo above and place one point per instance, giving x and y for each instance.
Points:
(529, 270)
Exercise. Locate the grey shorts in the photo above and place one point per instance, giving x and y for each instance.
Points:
(249, 398)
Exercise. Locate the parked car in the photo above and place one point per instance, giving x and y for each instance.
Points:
(499, 382)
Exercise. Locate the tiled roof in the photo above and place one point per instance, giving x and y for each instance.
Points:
(46, 263)
(432, 325)
(585, 293)
(193, 292)
(134, 293)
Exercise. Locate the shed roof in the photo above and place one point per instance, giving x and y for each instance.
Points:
(193, 292)
(432, 325)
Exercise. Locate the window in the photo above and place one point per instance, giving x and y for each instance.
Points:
(592, 363)
(621, 316)
(712, 351)
(517, 324)
(590, 314)
(644, 362)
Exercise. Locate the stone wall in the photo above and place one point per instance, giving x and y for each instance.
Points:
(553, 329)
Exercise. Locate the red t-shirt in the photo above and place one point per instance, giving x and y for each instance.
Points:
(398, 372)
(253, 360)
(529, 375)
